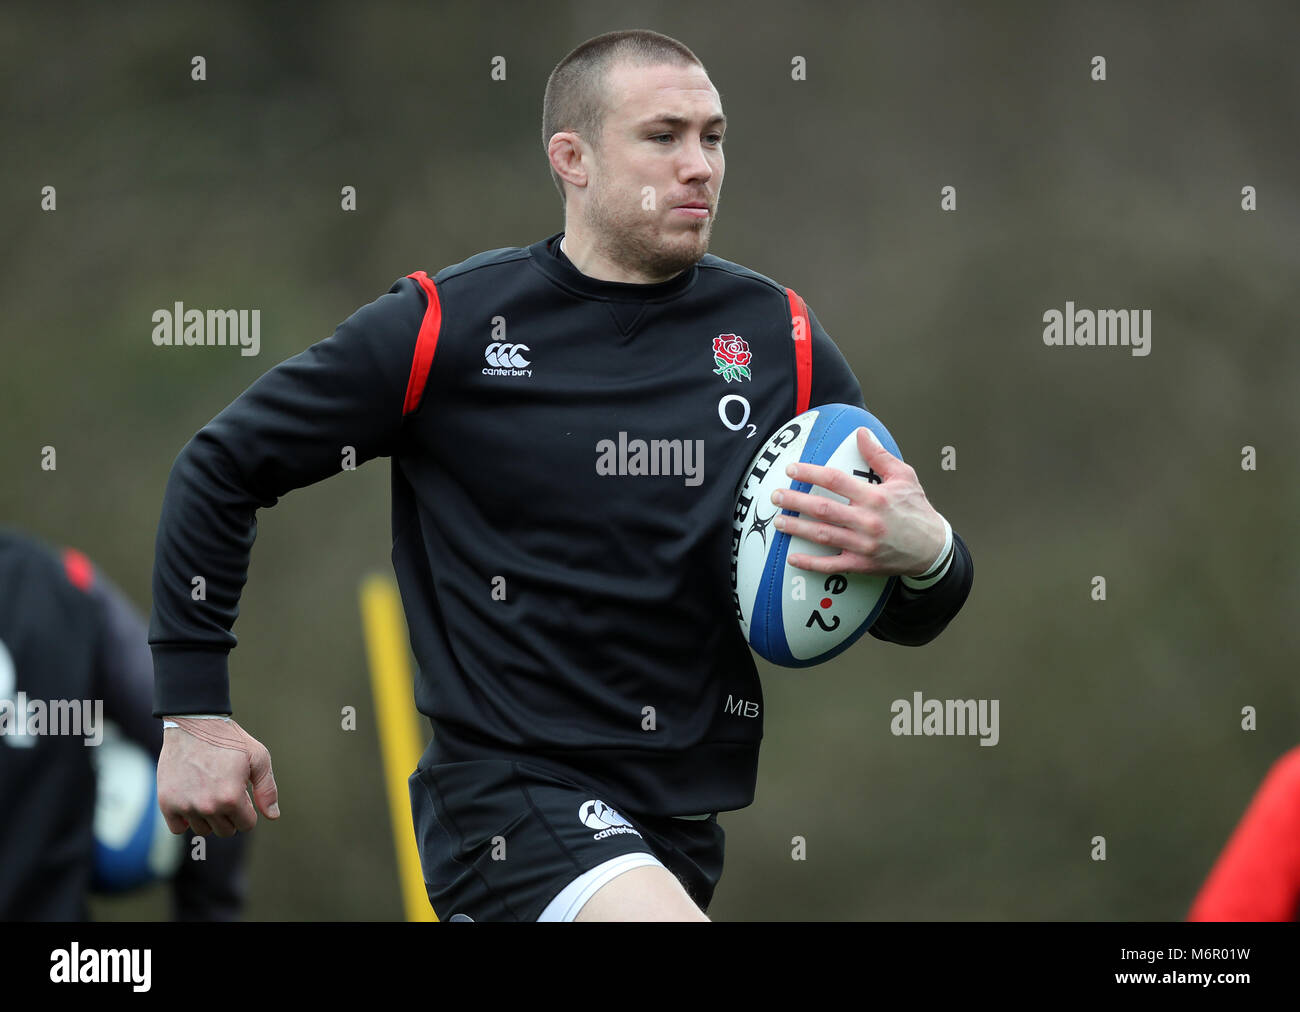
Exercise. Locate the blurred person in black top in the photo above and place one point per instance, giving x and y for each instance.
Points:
(68, 634)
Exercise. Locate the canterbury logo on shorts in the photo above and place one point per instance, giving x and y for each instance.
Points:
(599, 816)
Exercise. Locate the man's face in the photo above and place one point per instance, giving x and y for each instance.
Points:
(660, 148)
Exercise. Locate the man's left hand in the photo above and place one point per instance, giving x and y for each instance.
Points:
(884, 528)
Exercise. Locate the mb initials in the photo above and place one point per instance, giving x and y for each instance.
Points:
(741, 707)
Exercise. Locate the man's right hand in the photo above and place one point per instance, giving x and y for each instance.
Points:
(203, 771)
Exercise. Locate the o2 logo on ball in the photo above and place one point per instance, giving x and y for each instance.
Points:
(835, 584)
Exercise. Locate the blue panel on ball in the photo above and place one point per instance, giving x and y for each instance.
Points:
(835, 423)
(768, 621)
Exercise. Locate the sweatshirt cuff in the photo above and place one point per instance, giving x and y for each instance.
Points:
(193, 716)
(190, 680)
(939, 569)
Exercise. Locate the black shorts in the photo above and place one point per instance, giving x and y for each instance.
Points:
(500, 840)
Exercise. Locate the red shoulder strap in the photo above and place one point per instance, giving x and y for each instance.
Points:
(425, 344)
(801, 331)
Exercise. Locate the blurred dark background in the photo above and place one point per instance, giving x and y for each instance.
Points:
(1118, 719)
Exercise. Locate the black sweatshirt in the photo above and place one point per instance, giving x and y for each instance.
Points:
(559, 613)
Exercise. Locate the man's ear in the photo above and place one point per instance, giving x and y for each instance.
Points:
(568, 155)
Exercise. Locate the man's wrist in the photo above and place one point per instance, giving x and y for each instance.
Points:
(939, 568)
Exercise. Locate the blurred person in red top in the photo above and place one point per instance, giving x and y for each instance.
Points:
(1257, 877)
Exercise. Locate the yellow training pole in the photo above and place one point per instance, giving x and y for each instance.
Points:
(399, 728)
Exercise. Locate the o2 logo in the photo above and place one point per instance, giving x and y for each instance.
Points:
(835, 584)
(725, 413)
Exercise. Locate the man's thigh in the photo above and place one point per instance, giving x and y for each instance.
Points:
(501, 840)
(650, 893)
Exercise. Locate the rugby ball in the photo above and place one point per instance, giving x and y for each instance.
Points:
(794, 617)
(133, 845)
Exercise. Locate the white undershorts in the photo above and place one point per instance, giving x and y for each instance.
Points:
(574, 896)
